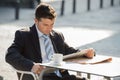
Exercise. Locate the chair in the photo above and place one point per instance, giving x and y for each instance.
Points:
(35, 76)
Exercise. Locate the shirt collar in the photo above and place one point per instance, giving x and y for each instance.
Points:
(39, 32)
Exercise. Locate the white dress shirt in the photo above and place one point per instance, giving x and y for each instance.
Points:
(42, 48)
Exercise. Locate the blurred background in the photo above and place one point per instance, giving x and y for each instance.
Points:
(84, 23)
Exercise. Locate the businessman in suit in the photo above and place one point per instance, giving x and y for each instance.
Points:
(29, 48)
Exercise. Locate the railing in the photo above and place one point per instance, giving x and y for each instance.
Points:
(62, 8)
(15, 4)
(88, 5)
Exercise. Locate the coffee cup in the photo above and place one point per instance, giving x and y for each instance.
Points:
(57, 59)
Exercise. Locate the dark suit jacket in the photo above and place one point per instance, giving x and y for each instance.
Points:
(26, 49)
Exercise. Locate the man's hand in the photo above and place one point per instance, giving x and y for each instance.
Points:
(89, 53)
(37, 68)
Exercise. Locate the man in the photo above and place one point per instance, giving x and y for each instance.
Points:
(29, 47)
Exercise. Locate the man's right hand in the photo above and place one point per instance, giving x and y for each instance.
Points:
(37, 68)
(89, 53)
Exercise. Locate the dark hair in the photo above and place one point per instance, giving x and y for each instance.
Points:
(44, 10)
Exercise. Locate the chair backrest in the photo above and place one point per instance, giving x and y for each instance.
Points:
(35, 76)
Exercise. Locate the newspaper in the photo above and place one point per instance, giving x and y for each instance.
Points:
(78, 58)
(73, 55)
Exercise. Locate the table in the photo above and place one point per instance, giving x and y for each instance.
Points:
(108, 70)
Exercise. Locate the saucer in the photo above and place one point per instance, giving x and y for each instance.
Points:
(57, 64)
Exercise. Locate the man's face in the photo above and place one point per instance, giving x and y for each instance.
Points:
(45, 25)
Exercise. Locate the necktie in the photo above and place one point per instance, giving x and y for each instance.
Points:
(48, 47)
(49, 50)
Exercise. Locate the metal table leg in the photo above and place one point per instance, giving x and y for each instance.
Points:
(88, 76)
(107, 78)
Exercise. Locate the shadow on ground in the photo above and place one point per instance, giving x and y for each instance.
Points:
(108, 46)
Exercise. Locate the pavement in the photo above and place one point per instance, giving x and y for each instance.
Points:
(97, 28)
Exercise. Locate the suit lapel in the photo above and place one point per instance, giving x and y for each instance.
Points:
(35, 39)
(53, 42)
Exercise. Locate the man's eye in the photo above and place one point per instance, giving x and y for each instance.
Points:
(45, 25)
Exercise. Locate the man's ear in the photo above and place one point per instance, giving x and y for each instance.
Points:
(36, 21)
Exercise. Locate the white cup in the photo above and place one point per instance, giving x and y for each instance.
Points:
(57, 59)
